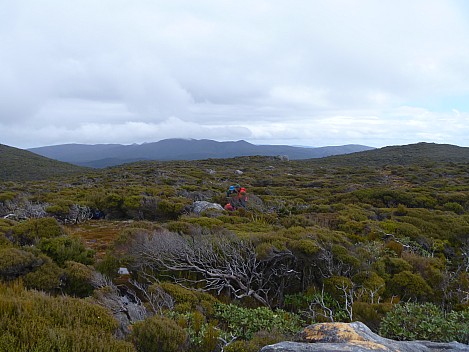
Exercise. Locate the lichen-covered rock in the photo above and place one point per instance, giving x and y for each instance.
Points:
(202, 205)
(355, 337)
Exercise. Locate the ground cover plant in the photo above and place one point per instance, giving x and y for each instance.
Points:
(334, 239)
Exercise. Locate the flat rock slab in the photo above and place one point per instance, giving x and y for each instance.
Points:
(355, 337)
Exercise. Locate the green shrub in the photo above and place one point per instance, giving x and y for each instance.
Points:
(370, 314)
(408, 285)
(78, 279)
(401, 229)
(204, 221)
(412, 321)
(182, 227)
(395, 247)
(298, 301)
(305, 246)
(259, 340)
(203, 335)
(64, 248)
(245, 322)
(27, 232)
(60, 209)
(33, 321)
(109, 265)
(335, 286)
(388, 266)
(4, 196)
(371, 286)
(158, 334)
(189, 300)
(171, 208)
(232, 219)
(16, 262)
(455, 207)
(401, 210)
(48, 277)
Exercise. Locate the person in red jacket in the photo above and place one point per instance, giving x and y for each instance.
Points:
(242, 197)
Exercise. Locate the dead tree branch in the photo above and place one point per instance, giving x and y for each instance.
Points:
(216, 263)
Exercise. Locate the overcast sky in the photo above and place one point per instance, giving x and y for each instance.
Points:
(298, 72)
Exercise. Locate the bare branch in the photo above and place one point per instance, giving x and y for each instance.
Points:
(156, 297)
(318, 301)
(217, 263)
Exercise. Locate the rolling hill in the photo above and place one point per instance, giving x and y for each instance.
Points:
(103, 155)
(20, 165)
(418, 153)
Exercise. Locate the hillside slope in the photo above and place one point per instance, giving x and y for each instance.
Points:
(18, 165)
(419, 153)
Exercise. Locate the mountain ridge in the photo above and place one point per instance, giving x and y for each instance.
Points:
(103, 155)
(18, 164)
(422, 152)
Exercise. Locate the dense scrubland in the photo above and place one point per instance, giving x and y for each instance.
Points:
(381, 237)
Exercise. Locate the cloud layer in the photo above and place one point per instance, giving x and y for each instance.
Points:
(303, 72)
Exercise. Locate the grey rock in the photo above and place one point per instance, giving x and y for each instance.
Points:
(355, 337)
(200, 206)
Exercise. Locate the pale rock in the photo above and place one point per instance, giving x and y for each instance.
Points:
(355, 337)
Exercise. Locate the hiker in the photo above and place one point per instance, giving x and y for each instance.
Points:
(232, 196)
(237, 197)
(230, 191)
(242, 197)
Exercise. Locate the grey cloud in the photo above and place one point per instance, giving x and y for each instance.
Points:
(267, 69)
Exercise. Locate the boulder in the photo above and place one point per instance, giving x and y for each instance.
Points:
(355, 337)
(200, 206)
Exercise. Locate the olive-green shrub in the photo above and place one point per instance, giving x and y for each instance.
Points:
(78, 279)
(29, 231)
(64, 248)
(245, 322)
(158, 333)
(48, 277)
(16, 262)
(259, 340)
(413, 321)
(34, 321)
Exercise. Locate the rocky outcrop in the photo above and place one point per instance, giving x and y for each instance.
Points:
(200, 206)
(355, 337)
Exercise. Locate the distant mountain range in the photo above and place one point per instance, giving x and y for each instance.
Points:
(21, 165)
(18, 164)
(103, 155)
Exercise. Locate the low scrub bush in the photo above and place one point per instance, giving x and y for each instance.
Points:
(28, 232)
(413, 321)
(48, 277)
(16, 262)
(64, 248)
(34, 321)
(259, 340)
(159, 334)
(188, 300)
(245, 322)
